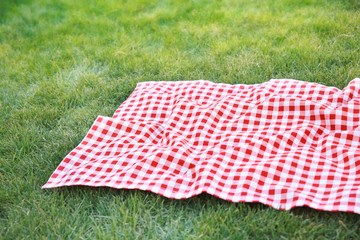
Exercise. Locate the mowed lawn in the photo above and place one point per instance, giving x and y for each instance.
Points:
(63, 63)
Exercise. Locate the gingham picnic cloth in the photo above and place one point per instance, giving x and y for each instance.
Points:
(284, 143)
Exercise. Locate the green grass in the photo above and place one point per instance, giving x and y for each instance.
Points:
(64, 62)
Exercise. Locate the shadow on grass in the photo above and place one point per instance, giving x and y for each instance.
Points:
(8, 5)
(204, 200)
(307, 212)
(351, 4)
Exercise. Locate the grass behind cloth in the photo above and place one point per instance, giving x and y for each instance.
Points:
(64, 62)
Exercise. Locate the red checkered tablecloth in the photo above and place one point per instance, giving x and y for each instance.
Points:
(284, 143)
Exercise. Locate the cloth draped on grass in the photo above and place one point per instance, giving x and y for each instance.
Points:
(284, 143)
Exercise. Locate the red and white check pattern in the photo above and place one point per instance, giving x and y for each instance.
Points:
(284, 143)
